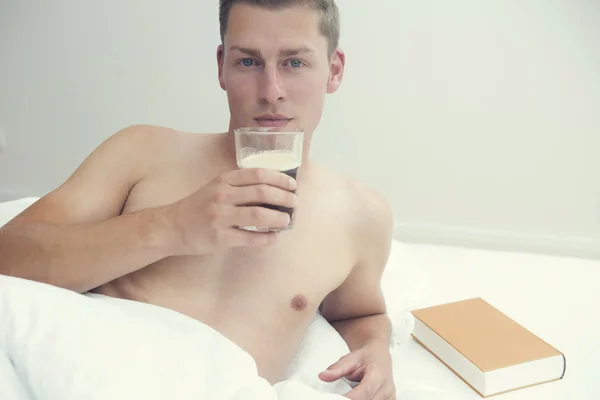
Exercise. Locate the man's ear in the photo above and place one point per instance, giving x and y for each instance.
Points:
(220, 61)
(336, 70)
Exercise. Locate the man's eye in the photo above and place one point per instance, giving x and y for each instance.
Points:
(247, 62)
(296, 63)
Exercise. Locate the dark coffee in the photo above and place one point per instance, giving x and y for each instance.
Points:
(285, 162)
(293, 173)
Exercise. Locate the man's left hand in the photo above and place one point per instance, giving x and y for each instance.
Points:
(371, 366)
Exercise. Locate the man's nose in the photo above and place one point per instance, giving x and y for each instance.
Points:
(271, 90)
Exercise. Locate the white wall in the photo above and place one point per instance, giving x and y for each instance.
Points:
(480, 121)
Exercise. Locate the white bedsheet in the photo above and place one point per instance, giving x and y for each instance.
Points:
(65, 346)
(60, 345)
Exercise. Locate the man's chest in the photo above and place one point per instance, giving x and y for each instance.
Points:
(311, 259)
(306, 261)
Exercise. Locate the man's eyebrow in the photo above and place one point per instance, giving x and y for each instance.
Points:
(283, 52)
(295, 52)
(246, 50)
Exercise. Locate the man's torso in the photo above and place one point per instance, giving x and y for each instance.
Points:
(263, 299)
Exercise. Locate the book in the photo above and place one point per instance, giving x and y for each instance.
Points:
(489, 351)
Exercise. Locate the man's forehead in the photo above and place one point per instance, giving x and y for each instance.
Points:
(298, 25)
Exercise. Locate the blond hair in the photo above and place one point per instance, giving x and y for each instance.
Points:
(328, 11)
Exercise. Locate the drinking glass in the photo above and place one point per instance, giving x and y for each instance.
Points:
(279, 149)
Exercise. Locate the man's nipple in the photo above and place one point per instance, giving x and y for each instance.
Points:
(299, 302)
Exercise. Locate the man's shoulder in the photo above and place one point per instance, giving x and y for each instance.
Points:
(137, 139)
(369, 217)
(154, 142)
(152, 135)
(373, 210)
(370, 207)
(373, 227)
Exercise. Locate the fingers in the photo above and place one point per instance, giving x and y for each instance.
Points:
(262, 194)
(258, 216)
(368, 389)
(345, 367)
(373, 387)
(257, 176)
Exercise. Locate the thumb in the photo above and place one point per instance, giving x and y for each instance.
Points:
(344, 367)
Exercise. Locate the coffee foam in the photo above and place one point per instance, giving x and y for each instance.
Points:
(275, 160)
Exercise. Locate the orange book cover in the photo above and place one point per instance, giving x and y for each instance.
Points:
(488, 350)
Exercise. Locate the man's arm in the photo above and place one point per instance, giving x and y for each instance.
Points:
(74, 237)
(357, 308)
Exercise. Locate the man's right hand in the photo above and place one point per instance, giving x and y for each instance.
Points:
(208, 219)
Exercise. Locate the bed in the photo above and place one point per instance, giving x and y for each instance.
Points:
(49, 356)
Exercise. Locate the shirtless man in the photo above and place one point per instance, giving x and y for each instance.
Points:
(150, 215)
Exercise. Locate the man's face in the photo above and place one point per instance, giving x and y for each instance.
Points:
(275, 67)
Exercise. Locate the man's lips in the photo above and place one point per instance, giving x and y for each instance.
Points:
(272, 120)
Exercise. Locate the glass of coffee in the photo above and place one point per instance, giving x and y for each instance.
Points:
(278, 149)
